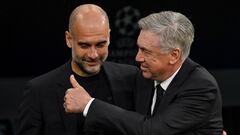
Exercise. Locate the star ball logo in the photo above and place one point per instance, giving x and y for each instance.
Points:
(125, 48)
(126, 20)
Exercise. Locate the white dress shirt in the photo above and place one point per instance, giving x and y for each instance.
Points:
(164, 85)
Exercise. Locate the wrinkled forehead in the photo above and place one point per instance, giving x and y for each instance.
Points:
(148, 38)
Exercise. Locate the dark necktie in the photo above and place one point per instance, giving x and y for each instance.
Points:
(160, 92)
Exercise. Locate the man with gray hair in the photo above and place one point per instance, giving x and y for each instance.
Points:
(186, 99)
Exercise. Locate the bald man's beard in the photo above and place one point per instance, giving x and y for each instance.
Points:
(87, 69)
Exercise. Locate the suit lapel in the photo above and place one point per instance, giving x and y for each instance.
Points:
(187, 67)
(114, 79)
(173, 88)
(144, 93)
(69, 119)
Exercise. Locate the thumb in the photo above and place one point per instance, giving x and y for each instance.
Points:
(74, 82)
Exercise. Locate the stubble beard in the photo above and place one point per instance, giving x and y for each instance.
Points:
(86, 69)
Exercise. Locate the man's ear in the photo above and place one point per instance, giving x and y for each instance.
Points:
(68, 39)
(175, 55)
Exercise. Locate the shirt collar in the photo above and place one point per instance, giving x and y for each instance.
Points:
(164, 84)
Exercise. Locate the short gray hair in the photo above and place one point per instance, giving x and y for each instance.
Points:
(174, 29)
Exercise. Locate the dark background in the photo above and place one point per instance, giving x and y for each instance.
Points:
(32, 42)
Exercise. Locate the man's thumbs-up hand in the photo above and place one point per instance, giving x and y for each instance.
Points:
(76, 98)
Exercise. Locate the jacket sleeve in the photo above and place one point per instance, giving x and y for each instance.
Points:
(29, 112)
(187, 113)
(112, 118)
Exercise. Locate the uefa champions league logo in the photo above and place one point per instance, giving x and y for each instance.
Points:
(125, 48)
(126, 20)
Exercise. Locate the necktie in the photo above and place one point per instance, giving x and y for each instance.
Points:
(160, 92)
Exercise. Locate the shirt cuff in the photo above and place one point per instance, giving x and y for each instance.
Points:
(85, 111)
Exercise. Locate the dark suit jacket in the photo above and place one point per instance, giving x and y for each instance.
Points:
(42, 112)
(191, 106)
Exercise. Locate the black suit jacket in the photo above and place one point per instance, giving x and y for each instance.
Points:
(42, 112)
(191, 106)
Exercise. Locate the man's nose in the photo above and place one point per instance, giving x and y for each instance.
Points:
(93, 53)
(139, 57)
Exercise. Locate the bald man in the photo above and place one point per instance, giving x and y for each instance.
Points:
(42, 111)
